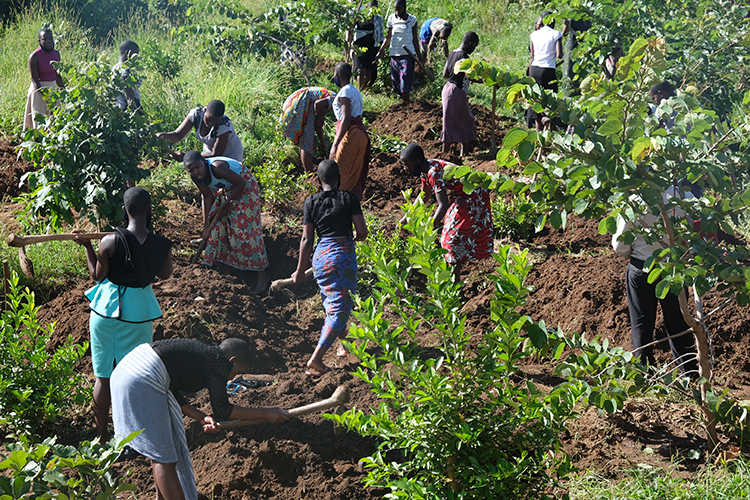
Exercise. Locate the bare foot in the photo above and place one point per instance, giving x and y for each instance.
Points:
(341, 350)
(316, 369)
(263, 281)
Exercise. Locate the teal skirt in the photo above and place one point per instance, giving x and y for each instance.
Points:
(131, 305)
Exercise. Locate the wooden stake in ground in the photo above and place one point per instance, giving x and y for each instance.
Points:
(339, 398)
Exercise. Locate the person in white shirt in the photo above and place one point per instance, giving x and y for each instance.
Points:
(642, 300)
(546, 48)
(351, 145)
(402, 38)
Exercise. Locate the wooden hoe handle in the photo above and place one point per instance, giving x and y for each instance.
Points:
(18, 240)
(339, 398)
(277, 285)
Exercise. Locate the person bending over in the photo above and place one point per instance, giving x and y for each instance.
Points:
(213, 128)
(146, 396)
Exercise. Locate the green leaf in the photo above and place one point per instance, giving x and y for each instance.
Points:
(514, 137)
(525, 150)
(654, 274)
(610, 127)
(662, 288)
(537, 334)
(608, 225)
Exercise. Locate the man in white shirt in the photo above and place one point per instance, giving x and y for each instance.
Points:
(642, 300)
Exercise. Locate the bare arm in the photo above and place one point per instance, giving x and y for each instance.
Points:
(305, 251)
(415, 42)
(531, 57)
(386, 43)
(98, 266)
(442, 207)
(447, 70)
(321, 107)
(221, 170)
(166, 268)
(34, 69)
(559, 48)
(346, 109)
(360, 227)
(219, 146)
(179, 134)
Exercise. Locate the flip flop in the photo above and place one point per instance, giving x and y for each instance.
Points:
(318, 375)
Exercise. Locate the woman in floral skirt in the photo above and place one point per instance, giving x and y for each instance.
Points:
(230, 190)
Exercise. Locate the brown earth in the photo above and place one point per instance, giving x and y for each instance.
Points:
(11, 170)
(578, 285)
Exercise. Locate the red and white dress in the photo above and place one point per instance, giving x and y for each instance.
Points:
(467, 227)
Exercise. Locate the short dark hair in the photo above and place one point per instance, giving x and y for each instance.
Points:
(470, 37)
(191, 156)
(328, 172)
(447, 29)
(400, 2)
(238, 348)
(540, 19)
(128, 48)
(216, 108)
(137, 201)
(373, 3)
(344, 70)
(412, 152)
(664, 88)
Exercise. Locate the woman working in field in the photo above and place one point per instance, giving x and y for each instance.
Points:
(230, 192)
(43, 75)
(331, 213)
(466, 218)
(123, 304)
(302, 117)
(213, 128)
(402, 32)
(351, 146)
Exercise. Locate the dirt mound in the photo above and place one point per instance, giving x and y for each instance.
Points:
(11, 170)
(422, 122)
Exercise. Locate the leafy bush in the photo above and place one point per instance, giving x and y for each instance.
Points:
(88, 149)
(514, 219)
(168, 182)
(36, 386)
(277, 183)
(457, 420)
(50, 470)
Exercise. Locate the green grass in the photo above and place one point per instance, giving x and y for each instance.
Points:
(731, 481)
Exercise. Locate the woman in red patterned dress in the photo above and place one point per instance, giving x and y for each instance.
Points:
(229, 189)
(466, 218)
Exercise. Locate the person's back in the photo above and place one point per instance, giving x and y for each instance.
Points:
(544, 41)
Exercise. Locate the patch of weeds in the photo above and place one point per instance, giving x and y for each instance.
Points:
(386, 143)
(514, 219)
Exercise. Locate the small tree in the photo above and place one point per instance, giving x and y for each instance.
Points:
(87, 150)
(616, 159)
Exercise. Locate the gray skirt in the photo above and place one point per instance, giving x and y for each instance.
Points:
(141, 399)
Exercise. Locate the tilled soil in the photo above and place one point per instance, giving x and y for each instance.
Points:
(578, 285)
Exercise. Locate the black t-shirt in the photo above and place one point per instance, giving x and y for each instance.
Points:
(331, 212)
(135, 265)
(193, 365)
(453, 58)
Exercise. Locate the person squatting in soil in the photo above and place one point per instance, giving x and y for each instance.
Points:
(642, 299)
(331, 214)
(213, 128)
(43, 75)
(546, 47)
(302, 117)
(466, 219)
(230, 192)
(123, 304)
(146, 395)
(368, 35)
(434, 31)
(351, 145)
(402, 31)
(132, 97)
(459, 124)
